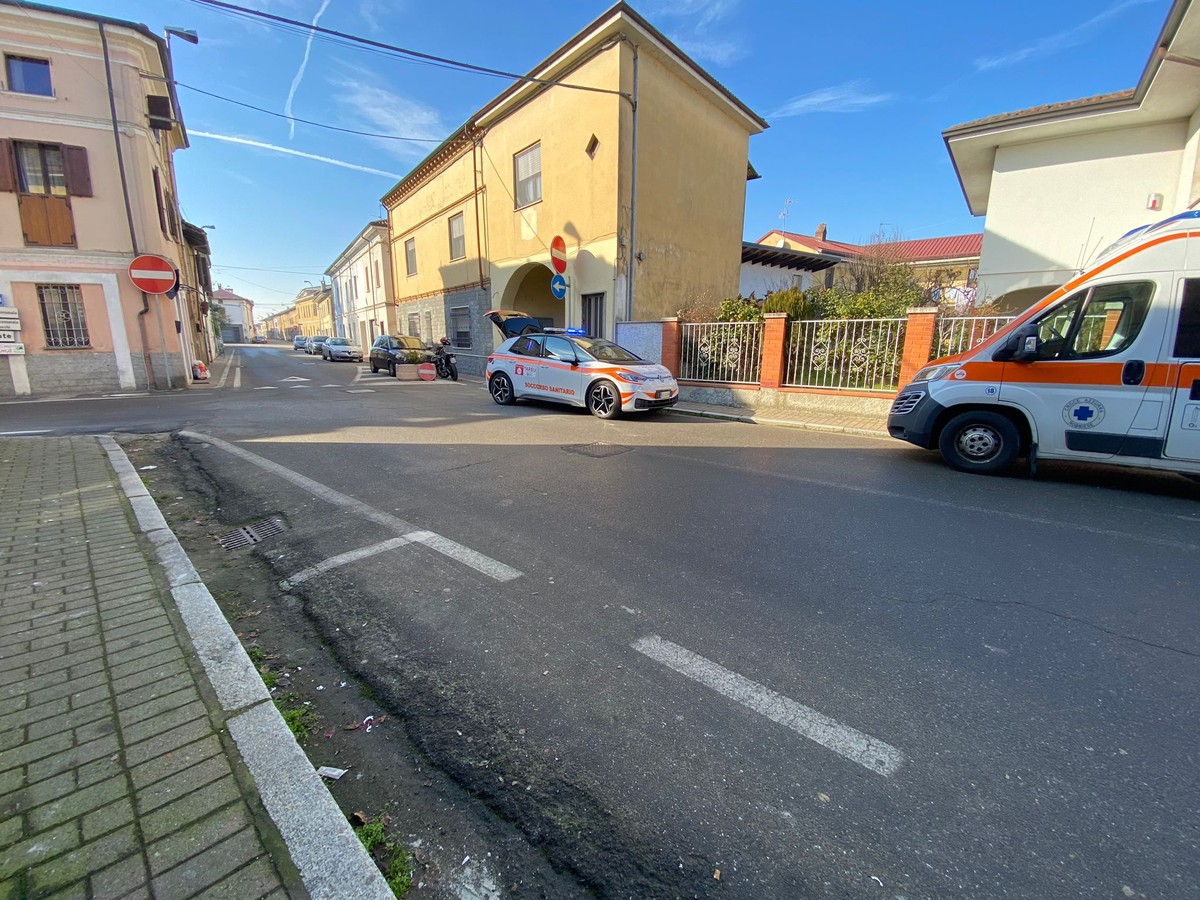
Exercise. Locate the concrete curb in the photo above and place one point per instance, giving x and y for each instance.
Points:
(786, 423)
(330, 858)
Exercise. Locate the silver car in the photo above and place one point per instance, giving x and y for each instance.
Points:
(340, 348)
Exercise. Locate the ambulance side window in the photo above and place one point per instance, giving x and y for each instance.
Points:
(1112, 319)
(1187, 338)
(527, 346)
(1096, 322)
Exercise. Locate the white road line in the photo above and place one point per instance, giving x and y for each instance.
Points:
(237, 378)
(225, 371)
(856, 746)
(15, 433)
(344, 559)
(445, 546)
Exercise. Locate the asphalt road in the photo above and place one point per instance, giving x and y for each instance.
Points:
(694, 657)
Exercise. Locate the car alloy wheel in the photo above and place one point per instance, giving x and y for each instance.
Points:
(501, 389)
(603, 401)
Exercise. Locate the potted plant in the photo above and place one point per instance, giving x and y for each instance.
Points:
(406, 368)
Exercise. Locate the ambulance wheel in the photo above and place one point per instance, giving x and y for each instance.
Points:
(501, 389)
(983, 442)
(604, 400)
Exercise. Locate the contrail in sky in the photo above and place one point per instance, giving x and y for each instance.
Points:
(287, 106)
(264, 146)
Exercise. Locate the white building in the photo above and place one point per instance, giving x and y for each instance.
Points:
(363, 300)
(1061, 181)
(239, 313)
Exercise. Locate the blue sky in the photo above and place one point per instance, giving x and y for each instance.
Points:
(857, 93)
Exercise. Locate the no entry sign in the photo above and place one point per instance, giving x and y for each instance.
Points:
(558, 254)
(152, 274)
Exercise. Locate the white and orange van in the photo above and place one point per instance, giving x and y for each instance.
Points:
(1104, 369)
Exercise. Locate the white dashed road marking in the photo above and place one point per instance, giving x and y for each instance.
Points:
(343, 559)
(443, 545)
(851, 743)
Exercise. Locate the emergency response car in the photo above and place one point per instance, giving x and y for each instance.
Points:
(566, 366)
(1104, 369)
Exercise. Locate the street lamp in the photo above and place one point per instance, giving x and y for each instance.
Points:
(184, 34)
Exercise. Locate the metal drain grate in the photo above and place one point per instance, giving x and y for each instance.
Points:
(251, 534)
(597, 450)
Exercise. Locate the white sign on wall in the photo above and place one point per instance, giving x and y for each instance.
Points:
(12, 349)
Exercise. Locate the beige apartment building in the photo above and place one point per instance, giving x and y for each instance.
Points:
(361, 287)
(621, 146)
(84, 188)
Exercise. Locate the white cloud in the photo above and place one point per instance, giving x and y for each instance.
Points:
(722, 53)
(287, 106)
(366, 105)
(701, 36)
(842, 98)
(1054, 43)
(708, 11)
(262, 145)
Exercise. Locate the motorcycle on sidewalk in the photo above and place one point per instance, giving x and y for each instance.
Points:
(444, 361)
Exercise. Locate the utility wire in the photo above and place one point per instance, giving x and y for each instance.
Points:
(374, 134)
(306, 27)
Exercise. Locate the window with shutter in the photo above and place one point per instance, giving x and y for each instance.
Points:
(527, 166)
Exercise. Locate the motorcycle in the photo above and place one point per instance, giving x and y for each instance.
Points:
(444, 361)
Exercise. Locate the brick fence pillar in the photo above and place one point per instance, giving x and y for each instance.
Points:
(918, 342)
(671, 344)
(774, 354)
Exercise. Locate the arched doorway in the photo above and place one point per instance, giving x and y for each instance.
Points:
(529, 291)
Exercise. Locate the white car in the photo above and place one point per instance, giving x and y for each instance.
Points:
(565, 366)
(336, 348)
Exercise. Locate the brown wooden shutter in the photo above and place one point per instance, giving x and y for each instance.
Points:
(75, 166)
(61, 221)
(158, 193)
(34, 223)
(8, 171)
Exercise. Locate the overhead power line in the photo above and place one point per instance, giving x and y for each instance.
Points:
(297, 26)
(269, 112)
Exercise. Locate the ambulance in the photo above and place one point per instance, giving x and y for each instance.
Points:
(1106, 369)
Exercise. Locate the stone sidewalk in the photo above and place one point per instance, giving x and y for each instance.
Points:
(140, 755)
(812, 418)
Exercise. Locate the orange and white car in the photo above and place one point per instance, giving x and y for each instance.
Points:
(568, 367)
(1105, 369)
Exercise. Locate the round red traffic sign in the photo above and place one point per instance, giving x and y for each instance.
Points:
(427, 371)
(152, 274)
(558, 254)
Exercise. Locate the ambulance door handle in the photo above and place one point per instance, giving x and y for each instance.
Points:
(1133, 372)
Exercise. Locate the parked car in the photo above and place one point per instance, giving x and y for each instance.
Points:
(569, 367)
(336, 348)
(258, 339)
(390, 350)
(314, 344)
(299, 342)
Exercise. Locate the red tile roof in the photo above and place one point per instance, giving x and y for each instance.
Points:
(956, 247)
(226, 294)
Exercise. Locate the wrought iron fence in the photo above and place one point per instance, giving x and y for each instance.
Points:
(729, 352)
(845, 354)
(957, 334)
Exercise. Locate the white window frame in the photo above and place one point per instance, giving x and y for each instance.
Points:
(461, 237)
(527, 176)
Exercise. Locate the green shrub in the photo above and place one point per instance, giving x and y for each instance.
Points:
(791, 301)
(738, 309)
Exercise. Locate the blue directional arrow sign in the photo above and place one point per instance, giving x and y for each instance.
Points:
(558, 287)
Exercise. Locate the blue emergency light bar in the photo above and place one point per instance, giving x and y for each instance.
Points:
(577, 332)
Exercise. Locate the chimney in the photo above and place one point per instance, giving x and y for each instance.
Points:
(821, 232)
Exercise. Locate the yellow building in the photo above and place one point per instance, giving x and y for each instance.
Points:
(86, 185)
(314, 311)
(619, 144)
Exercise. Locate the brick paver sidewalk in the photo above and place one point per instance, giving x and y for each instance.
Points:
(115, 777)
